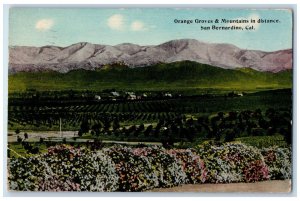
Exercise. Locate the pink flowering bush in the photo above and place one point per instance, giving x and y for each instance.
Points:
(165, 166)
(192, 165)
(233, 163)
(25, 174)
(55, 183)
(135, 173)
(255, 171)
(63, 168)
(93, 171)
(279, 162)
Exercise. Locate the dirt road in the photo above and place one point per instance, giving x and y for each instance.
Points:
(56, 136)
(275, 186)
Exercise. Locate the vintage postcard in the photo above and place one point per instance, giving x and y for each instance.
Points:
(150, 99)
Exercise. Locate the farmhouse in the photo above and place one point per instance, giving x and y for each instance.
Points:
(168, 95)
(129, 93)
(131, 97)
(97, 97)
(114, 93)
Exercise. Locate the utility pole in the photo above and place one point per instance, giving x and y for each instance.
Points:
(60, 128)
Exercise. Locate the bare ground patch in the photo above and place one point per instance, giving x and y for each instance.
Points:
(274, 186)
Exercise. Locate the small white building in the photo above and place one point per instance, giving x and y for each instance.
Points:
(131, 97)
(114, 93)
(129, 93)
(97, 97)
(168, 95)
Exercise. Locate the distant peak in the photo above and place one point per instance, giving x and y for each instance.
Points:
(126, 44)
(81, 44)
(177, 41)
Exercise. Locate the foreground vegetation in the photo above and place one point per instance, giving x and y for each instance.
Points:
(119, 168)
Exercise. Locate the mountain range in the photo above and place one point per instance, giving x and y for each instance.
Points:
(94, 56)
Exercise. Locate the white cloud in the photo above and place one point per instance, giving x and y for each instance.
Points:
(137, 26)
(116, 22)
(249, 18)
(44, 24)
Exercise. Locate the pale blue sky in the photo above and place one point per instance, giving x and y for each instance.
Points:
(146, 26)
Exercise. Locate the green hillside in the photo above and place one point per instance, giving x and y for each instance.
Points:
(173, 76)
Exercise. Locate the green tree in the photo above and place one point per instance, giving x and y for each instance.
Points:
(116, 124)
(84, 127)
(17, 131)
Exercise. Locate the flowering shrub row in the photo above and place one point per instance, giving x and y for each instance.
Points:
(121, 168)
